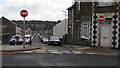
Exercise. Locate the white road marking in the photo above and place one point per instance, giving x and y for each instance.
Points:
(77, 52)
(91, 53)
(41, 51)
(27, 52)
(68, 52)
(54, 52)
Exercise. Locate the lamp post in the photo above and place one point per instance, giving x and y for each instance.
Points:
(65, 20)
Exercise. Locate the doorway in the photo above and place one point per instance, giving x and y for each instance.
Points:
(106, 33)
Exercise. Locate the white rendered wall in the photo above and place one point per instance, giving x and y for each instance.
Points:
(59, 30)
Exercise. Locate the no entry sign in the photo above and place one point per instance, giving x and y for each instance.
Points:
(101, 18)
(24, 13)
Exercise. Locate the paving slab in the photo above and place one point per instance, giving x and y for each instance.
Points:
(8, 48)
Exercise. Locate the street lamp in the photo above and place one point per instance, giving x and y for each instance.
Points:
(65, 20)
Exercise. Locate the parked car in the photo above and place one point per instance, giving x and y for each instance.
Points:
(54, 41)
(28, 39)
(16, 39)
(44, 39)
(40, 35)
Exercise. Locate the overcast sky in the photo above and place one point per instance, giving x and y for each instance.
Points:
(37, 9)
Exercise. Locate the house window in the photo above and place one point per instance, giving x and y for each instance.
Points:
(85, 31)
(105, 3)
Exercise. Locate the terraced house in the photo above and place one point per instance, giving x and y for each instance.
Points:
(8, 29)
(94, 24)
(105, 33)
(79, 19)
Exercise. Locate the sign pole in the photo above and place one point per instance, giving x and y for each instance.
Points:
(24, 13)
(23, 32)
(101, 19)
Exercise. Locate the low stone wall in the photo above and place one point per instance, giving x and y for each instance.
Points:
(82, 42)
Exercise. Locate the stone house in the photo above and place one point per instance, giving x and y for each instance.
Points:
(85, 27)
(79, 19)
(105, 33)
(8, 29)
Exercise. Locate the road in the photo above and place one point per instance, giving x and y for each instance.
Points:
(37, 42)
(56, 56)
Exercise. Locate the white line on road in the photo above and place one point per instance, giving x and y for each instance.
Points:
(77, 52)
(27, 51)
(91, 53)
(40, 51)
(68, 52)
(54, 52)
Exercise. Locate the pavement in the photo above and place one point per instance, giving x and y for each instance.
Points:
(96, 50)
(83, 49)
(16, 48)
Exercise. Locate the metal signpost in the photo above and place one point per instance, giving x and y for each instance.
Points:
(101, 19)
(24, 13)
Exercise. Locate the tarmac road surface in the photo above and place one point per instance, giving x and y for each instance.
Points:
(56, 56)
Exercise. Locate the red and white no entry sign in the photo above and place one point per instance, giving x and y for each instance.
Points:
(24, 13)
(101, 18)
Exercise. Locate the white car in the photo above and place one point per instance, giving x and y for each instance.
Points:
(28, 39)
(16, 39)
(44, 40)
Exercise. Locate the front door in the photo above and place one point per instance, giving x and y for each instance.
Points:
(106, 35)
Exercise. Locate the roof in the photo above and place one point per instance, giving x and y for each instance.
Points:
(13, 22)
(71, 7)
